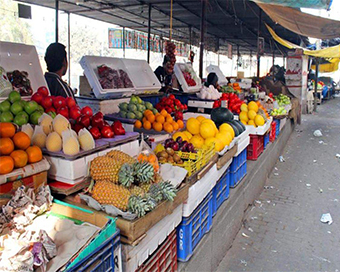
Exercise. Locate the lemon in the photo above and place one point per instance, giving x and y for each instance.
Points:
(251, 114)
(251, 123)
(197, 141)
(228, 128)
(207, 130)
(259, 120)
(253, 106)
(244, 116)
(244, 107)
(193, 126)
(200, 118)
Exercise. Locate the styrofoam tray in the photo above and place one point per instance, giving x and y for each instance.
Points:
(180, 77)
(242, 144)
(199, 190)
(22, 57)
(105, 106)
(221, 77)
(260, 130)
(188, 115)
(134, 256)
(228, 147)
(201, 104)
(72, 172)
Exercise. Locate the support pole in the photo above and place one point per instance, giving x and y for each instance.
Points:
(273, 58)
(316, 83)
(124, 42)
(190, 38)
(69, 47)
(202, 38)
(258, 35)
(149, 33)
(56, 20)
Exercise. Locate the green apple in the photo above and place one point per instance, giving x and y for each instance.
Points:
(34, 117)
(23, 103)
(31, 107)
(6, 116)
(14, 97)
(5, 106)
(21, 118)
(16, 107)
(40, 108)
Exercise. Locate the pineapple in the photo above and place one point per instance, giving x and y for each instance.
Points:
(120, 156)
(105, 168)
(155, 192)
(144, 172)
(146, 187)
(125, 175)
(141, 205)
(168, 190)
(106, 192)
(157, 178)
(136, 190)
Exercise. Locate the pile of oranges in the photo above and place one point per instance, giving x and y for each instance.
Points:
(15, 149)
(159, 121)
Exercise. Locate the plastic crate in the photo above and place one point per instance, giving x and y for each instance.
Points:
(153, 99)
(164, 258)
(238, 169)
(238, 161)
(272, 133)
(183, 98)
(193, 228)
(105, 258)
(277, 127)
(255, 147)
(221, 191)
(265, 140)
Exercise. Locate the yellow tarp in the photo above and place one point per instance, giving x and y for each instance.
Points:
(328, 67)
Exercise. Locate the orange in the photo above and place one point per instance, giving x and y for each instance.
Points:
(147, 125)
(160, 119)
(142, 158)
(152, 158)
(164, 112)
(7, 130)
(144, 119)
(138, 124)
(21, 140)
(157, 126)
(180, 123)
(151, 118)
(20, 158)
(168, 127)
(175, 125)
(147, 112)
(169, 119)
(34, 154)
(6, 146)
(6, 165)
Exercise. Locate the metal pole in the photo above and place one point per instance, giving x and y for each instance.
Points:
(190, 37)
(273, 58)
(202, 38)
(258, 35)
(124, 42)
(316, 83)
(149, 33)
(69, 47)
(56, 20)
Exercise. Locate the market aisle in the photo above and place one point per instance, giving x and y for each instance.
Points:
(282, 230)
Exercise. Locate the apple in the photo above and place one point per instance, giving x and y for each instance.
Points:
(34, 117)
(47, 102)
(43, 91)
(75, 112)
(14, 96)
(97, 120)
(6, 116)
(70, 102)
(31, 107)
(5, 106)
(51, 109)
(95, 132)
(85, 120)
(106, 132)
(37, 97)
(59, 102)
(77, 127)
(16, 107)
(63, 111)
(87, 111)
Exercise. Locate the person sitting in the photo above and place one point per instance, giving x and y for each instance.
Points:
(56, 61)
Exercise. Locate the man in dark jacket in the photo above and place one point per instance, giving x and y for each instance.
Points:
(56, 61)
(164, 73)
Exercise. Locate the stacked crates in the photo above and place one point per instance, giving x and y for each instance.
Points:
(238, 169)
(265, 140)
(221, 191)
(255, 147)
(272, 133)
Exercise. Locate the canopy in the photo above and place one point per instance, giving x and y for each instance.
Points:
(302, 23)
(332, 66)
(317, 4)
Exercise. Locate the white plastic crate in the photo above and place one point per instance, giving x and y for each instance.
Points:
(199, 190)
(260, 130)
(72, 172)
(105, 106)
(201, 104)
(221, 77)
(242, 144)
(22, 57)
(134, 256)
(179, 67)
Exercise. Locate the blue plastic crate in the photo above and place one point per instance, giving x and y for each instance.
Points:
(103, 258)
(238, 161)
(184, 98)
(265, 140)
(192, 228)
(221, 191)
(277, 127)
(237, 176)
(153, 99)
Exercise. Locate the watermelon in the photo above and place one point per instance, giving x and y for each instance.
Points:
(231, 123)
(221, 115)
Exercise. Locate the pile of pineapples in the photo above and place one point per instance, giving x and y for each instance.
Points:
(127, 184)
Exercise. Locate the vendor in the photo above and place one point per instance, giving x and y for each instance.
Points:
(212, 79)
(56, 61)
(164, 73)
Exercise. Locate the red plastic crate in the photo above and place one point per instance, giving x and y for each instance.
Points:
(272, 134)
(255, 147)
(164, 259)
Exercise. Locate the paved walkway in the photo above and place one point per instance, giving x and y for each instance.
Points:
(282, 230)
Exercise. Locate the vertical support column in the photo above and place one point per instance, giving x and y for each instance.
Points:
(69, 47)
(190, 38)
(149, 33)
(273, 57)
(316, 83)
(258, 35)
(56, 20)
(250, 61)
(124, 42)
(202, 38)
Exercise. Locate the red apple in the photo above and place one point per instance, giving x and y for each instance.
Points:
(97, 120)
(63, 111)
(77, 127)
(74, 112)
(47, 102)
(37, 97)
(43, 91)
(95, 132)
(70, 102)
(59, 102)
(87, 111)
(107, 132)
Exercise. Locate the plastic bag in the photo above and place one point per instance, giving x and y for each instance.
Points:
(70, 143)
(27, 128)
(45, 121)
(39, 137)
(86, 139)
(5, 85)
(145, 154)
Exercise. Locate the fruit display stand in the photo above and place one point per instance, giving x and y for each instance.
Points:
(261, 130)
(196, 104)
(179, 69)
(135, 257)
(22, 57)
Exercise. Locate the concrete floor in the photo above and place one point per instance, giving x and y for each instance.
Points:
(282, 229)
